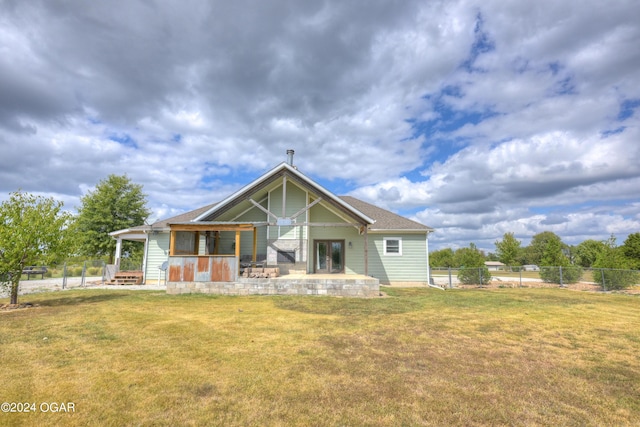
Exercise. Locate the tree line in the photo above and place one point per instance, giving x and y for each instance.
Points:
(547, 249)
(558, 262)
(36, 230)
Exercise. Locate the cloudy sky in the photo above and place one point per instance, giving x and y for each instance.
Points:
(473, 117)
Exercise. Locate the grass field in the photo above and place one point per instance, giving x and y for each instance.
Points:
(418, 357)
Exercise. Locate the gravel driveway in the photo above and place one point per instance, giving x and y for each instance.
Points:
(49, 285)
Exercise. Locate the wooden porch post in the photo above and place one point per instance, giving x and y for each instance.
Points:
(284, 196)
(172, 243)
(238, 252)
(255, 244)
(118, 252)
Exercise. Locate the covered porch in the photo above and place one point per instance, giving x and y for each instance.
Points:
(200, 253)
(217, 268)
(122, 272)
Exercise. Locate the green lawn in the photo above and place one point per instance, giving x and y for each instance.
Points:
(419, 357)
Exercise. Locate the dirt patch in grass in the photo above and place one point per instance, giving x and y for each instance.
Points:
(348, 306)
(579, 286)
(20, 306)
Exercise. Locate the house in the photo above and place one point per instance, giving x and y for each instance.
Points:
(289, 225)
(494, 265)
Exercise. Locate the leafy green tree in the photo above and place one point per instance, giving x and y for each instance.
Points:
(468, 257)
(33, 231)
(441, 258)
(526, 256)
(492, 257)
(472, 271)
(555, 267)
(508, 249)
(116, 204)
(553, 255)
(538, 245)
(570, 252)
(588, 251)
(631, 249)
(613, 268)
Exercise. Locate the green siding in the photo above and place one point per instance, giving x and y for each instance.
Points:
(296, 200)
(354, 255)
(411, 266)
(157, 253)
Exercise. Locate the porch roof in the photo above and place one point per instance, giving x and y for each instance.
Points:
(214, 225)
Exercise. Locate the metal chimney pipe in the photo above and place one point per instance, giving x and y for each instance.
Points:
(290, 154)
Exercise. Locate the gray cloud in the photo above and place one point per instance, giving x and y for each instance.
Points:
(397, 104)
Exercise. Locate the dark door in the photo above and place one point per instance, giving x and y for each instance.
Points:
(329, 256)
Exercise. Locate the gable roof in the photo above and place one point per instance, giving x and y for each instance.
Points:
(378, 219)
(283, 169)
(385, 220)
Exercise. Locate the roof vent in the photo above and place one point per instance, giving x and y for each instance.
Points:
(290, 154)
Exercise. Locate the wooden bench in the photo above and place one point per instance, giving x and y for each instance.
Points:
(127, 278)
(34, 271)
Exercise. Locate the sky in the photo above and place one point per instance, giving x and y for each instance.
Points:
(476, 118)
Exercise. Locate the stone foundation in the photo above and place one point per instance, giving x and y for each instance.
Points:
(361, 287)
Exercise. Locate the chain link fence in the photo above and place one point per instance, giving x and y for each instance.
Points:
(604, 279)
(68, 274)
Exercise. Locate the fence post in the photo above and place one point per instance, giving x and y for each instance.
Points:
(64, 276)
(450, 285)
(104, 271)
(561, 284)
(480, 275)
(520, 276)
(84, 271)
(604, 285)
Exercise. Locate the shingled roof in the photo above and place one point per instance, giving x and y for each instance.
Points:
(385, 220)
(185, 217)
(164, 223)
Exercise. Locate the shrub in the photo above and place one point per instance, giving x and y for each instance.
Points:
(553, 274)
(613, 264)
(614, 280)
(474, 276)
(74, 271)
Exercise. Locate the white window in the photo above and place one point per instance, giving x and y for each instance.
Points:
(393, 246)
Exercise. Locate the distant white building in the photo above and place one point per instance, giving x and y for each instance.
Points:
(494, 265)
